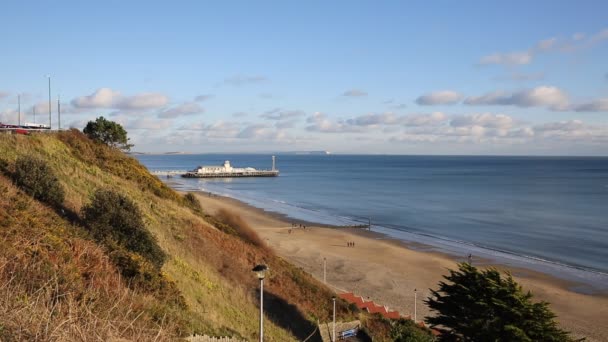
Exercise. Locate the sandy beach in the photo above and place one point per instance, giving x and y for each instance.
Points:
(387, 271)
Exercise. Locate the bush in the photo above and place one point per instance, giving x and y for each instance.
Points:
(405, 330)
(242, 228)
(36, 178)
(114, 219)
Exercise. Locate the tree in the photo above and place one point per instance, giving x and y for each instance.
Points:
(108, 132)
(115, 220)
(483, 306)
(36, 178)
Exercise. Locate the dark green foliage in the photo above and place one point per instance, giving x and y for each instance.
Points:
(114, 219)
(405, 330)
(483, 306)
(36, 178)
(108, 132)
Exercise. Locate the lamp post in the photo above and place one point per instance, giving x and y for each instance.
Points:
(49, 77)
(260, 271)
(334, 327)
(415, 300)
(19, 107)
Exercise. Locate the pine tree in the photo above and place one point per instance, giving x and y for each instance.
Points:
(479, 305)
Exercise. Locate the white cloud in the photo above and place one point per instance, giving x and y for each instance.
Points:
(433, 119)
(108, 98)
(439, 97)
(148, 124)
(599, 105)
(240, 80)
(375, 119)
(219, 129)
(187, 108)
(511, 58)
(575, 42)
(487, 120)
(204, 97)
(521, 76)
(239, 114)
(143, 101)
(354, 93)
(546, 44)
(3, 94)
(320, 123)
(101, 98)
(281, 114)
(600, 36)
(551, 97)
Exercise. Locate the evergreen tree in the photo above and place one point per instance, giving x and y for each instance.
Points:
(108, 132)
(483, 306)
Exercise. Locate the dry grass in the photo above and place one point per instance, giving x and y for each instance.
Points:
(210, 268)
(242, 228)
(57, 286)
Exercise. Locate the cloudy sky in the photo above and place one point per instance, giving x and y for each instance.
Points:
(382, 77)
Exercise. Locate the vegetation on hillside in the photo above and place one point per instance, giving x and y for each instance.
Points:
(108, 132)
(124, 256)
(482, 305)
(36, 178)
(206, 273)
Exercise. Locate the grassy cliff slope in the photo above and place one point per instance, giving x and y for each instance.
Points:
(57, 283)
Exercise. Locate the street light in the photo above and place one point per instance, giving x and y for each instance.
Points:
(260, 271)
(49, 77)
(415, 300)
(334, 327)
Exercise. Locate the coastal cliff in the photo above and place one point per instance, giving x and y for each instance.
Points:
(60, 282)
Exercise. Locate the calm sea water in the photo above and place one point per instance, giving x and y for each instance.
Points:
(541, 209)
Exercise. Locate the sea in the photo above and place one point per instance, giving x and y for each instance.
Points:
(548, 214)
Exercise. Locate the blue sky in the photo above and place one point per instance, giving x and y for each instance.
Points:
(471, 77)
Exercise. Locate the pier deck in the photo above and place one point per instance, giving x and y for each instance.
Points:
(261, 173)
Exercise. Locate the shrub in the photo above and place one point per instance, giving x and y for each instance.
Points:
(405, 330)
(114, 219)
(36, 178)
(242, 228)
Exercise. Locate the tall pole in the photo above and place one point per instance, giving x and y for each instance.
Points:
(261, 309)
(34, 111)
(325, 270)
(415, 300)
(273, 163)
(49, 77)
(334, 328)
(19, 108)
(58, 112)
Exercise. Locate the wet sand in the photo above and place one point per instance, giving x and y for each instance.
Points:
(387, 271)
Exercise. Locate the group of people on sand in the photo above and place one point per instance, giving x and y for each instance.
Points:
(350, 244)
(298, 225)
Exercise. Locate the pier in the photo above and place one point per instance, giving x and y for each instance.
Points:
(221, 171)
(257, 173)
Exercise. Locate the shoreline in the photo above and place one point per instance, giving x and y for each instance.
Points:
(380, 266)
